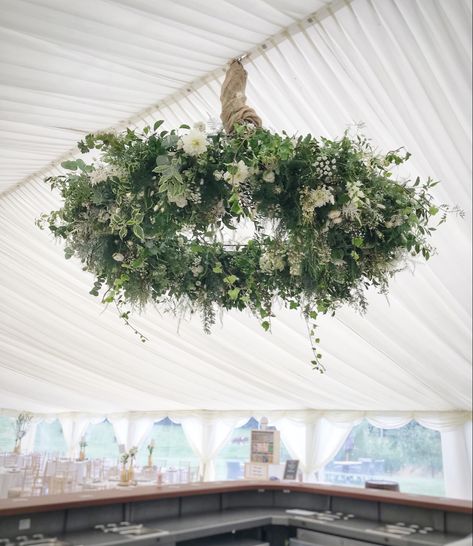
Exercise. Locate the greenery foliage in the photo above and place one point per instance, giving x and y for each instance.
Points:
(152, 219)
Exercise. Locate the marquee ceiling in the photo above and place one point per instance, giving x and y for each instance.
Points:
(403, 67)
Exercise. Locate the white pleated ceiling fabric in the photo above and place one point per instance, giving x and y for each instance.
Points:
(403, 67)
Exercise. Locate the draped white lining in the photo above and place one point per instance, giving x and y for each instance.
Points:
(312, 437)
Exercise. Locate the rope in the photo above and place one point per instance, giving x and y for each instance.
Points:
(233, 99)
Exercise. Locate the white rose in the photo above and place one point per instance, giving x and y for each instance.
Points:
(118, 257)
(269, 176)
(337, 220)
(180, 201)
(333, 214)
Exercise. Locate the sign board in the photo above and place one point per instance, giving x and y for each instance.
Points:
(290, 470)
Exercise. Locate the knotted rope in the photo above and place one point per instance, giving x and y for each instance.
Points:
(233, 99)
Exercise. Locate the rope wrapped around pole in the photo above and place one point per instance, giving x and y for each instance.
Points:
(233, 99)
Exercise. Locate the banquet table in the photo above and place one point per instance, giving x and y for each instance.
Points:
(77, 468)
(9, 478)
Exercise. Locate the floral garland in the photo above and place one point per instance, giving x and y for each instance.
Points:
(151, 220)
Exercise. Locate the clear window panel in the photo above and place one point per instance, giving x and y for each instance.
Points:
(50, 439)
(101, 441)
(7, 433)
(410, 456)
(171, 448)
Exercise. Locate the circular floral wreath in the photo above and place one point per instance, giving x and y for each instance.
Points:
(153, 220)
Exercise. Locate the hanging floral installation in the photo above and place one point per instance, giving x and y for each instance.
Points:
(328, 220)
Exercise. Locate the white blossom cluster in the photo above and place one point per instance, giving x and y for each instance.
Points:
(103, 172)
(295, 258)
(272, 260)
(394, 221)
(326, 167)
(312, 199)
(351, 211)
(355, 193)
(178, 200)
(197, 268)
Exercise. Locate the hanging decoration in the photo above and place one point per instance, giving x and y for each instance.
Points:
(324, 219)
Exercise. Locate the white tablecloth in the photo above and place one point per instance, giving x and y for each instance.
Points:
(9, 480)
(78, 469)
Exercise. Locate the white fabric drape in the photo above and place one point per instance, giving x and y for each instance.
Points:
(27, 443)
(73, 428)
(313, 441)
(207, 435)
(139, 429)
(120, 428)
(456, 455)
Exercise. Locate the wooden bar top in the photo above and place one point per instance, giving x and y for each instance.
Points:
(147, 493)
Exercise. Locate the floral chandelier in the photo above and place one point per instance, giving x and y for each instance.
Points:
(328, 220)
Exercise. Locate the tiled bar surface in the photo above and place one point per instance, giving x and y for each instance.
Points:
(235, 511)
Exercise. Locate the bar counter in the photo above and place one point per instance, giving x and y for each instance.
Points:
(249, 513)
(148, 493)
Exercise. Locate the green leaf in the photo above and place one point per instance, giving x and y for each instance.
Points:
(217, 268)
(231, 279)
(184, 126)
(433, 210)
(157, 124)
(162, 160)
(265, 324)
(138, 231)
(68, 253)
(358, 241)
(69, 165)
(233, 293)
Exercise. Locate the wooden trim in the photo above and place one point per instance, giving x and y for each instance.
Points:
(147, 493)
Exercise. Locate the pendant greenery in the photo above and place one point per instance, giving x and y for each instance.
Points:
(152, 219)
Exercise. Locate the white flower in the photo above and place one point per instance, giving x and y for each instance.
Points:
(200, 126)
(271, 261)
(179, 200)
(333, 214)
(103, 172)
(339, 262)
(218, 175)
(240, 176)
(355, 193)
(322, 196)
(194, 143)
(197, 270)
(118, 257)
(350, 211)
(269, 176)
(338, 220)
